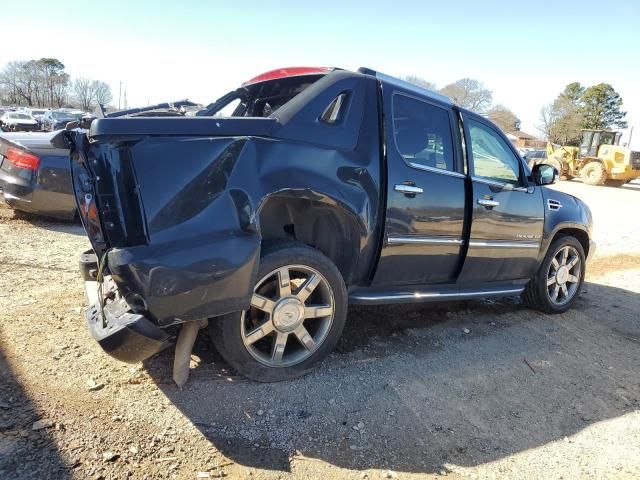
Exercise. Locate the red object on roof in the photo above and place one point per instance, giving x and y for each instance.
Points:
(287, 72)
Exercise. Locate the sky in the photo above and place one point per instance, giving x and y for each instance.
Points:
(525, 52)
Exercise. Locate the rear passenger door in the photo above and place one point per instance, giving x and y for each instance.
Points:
(507, 213)
(423, 237)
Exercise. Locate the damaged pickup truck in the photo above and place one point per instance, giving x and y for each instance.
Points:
(320, 188)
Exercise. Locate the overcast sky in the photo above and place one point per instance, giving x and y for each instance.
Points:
(525, 52)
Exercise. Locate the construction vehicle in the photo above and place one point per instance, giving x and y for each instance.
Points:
(599, 160)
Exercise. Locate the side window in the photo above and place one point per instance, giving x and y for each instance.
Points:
(492, 157)
(228, 109)
(422, 133)
(336, 109)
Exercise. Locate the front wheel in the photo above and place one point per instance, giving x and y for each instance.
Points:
(594, 173)
(297, 313)
(557, 283)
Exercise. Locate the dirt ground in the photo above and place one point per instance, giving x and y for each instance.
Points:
(407, 394)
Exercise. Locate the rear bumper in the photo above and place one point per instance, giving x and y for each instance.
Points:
(24, 195)
(125, 335)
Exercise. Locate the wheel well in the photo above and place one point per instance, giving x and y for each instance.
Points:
(314, 223)
(578, 234)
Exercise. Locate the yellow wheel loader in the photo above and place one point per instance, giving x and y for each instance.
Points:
(599, 160)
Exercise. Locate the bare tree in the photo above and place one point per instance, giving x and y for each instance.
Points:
(504, 118)
(469, 93)
(83, 93)
(561, 121)
(420, 82)
(102, 92)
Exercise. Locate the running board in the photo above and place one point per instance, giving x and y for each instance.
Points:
(431, 294)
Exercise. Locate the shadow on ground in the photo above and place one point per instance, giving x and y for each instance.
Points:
(24, 453)
(409, 389)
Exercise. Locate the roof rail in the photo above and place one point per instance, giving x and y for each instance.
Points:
(405, 85)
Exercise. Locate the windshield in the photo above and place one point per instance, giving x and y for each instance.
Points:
(607, 138)
(62, 115)
(37, 112)
(19, 116)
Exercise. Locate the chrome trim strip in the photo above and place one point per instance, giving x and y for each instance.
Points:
(502, 244)
(433, 295)
(435, 170)
(508, 186)
(416, 239)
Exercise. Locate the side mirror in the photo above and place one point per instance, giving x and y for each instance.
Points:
(544, 174)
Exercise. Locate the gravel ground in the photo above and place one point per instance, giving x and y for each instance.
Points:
(407, 394)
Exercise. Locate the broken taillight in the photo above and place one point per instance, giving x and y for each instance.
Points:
(22, 159)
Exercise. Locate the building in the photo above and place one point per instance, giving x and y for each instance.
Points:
(523, 140)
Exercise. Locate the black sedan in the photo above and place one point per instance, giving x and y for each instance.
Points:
(35, 175)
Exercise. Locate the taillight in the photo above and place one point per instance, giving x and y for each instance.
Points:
(22, 159)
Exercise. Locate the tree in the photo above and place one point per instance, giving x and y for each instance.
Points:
(420, 82)
(573, 93)
(602, 108)
(469, 93)
(102, 92)
(504, 118)
(83, 93)
(562, 121)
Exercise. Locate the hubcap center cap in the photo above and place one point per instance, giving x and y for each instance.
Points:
(562, 275)
(288, 314)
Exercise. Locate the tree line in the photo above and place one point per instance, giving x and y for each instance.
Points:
(44, 83)
(576, 108)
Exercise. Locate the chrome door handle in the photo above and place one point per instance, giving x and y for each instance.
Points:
(488, 203)
(408, 189)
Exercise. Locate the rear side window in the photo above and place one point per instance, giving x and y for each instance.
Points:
(422, 133)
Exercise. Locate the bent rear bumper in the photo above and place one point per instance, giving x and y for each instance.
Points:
(125, 335)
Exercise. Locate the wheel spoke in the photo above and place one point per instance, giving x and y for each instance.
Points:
(555, 263)
(307, 340)
(284, 282)
(308, 287)
(573, 261)
(277, 349)
(565, 256)
(258, 333)
(262, 303)
(565, 292)
(572, 279)
(316, 311)
(554, 294)
(551, 281)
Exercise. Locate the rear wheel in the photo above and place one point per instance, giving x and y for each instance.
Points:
(557, 283)
(594, 173)
(615, 183)
(297, 313)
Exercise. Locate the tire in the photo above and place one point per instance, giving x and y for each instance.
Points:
(594, 173)
(248, 339)
(614, 183)
(538, 293)
(554, 163)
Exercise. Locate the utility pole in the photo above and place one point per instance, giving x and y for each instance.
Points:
(120, 95)
(125, 98)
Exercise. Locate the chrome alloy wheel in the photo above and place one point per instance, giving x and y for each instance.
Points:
(291, 312)
(563, 277)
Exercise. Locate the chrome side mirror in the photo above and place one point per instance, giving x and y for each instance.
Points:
(543, 174)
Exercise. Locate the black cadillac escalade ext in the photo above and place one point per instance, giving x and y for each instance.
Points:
(320, 188)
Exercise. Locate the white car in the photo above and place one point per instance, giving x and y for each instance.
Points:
(18, 122)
